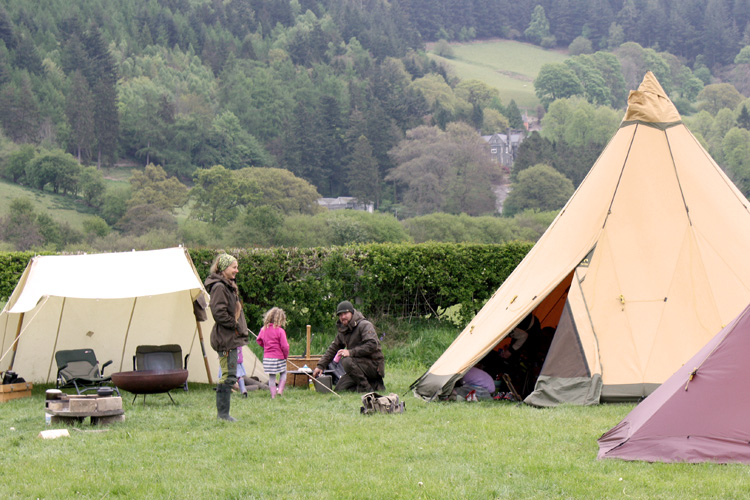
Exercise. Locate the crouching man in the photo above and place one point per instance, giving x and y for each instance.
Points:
(358, 349)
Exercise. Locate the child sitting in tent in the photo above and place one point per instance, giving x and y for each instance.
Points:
(476, 382)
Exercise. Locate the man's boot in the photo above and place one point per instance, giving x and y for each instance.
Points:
(223, 395)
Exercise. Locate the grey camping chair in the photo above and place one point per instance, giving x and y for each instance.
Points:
(79, 368)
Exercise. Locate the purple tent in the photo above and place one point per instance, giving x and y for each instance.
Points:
(700, 414)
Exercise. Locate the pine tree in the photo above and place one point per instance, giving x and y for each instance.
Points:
(19, 110)
(743, 120)
(538, 28)
(362, 177)
(79, 108)
(106, 122)
(515, 118)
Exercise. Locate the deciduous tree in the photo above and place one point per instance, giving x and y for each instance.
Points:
(556, 81)
(716, 96)
(279, 189)
(538, 187)
(219, 193)
(445, 171)
(152, 187)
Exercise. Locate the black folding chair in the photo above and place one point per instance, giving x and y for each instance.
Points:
(79, 368)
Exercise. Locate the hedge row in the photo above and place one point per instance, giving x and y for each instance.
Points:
(401, 280)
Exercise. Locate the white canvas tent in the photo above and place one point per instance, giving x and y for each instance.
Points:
(643, 265)
(110, 303)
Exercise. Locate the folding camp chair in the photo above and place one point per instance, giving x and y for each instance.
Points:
(160, 358)
(79, 368)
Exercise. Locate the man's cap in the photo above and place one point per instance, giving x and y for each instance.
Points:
(344, 306)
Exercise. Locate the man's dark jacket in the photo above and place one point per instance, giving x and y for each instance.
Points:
(360, 338)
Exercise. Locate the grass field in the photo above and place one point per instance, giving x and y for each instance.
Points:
(312, 445)
(506, 65)
(60, 208)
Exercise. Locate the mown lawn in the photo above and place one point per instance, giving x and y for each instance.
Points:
(506, 65)
(311, 445)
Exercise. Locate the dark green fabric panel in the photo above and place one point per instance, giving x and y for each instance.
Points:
(431, 387)
(627, 392)
(553, 391)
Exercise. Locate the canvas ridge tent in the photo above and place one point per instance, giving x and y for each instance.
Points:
(110, 303)
(643, 265)
(700, 414)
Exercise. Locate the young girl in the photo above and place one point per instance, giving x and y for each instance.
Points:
(272, 339)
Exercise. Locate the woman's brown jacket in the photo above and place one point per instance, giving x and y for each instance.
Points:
(230, 329)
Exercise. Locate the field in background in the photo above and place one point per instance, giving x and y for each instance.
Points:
(506, 65)
(60, 208)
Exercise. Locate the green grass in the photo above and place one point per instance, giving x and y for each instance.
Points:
(118, 175)
(60, 208)
(506, 65)
(313, 445)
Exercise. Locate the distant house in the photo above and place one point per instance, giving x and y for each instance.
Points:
(345, 202)
(503, 148)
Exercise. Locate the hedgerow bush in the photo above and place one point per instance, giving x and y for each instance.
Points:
(400, 280)
(396, 280)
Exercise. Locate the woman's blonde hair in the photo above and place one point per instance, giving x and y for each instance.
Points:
(275, 316)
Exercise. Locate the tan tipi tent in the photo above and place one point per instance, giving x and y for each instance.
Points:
(110, 303)
(644, 264)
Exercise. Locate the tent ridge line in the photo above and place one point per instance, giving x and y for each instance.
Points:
(677, 177)
(619, 178)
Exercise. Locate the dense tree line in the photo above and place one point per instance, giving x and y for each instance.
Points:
(709, 32)
(230, 106)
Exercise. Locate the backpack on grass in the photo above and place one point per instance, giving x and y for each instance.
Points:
(372, 402)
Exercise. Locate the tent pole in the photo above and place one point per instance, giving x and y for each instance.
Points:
(15, 342)
(57, 337)
(203, 350)
(127, 332)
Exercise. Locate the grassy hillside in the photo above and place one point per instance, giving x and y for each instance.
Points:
(506, 65)
(60, 208)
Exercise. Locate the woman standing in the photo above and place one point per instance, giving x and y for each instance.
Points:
(230, 327)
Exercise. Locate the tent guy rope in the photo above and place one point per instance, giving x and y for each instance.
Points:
(15, 341)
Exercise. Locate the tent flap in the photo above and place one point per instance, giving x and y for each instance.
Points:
(552, 391)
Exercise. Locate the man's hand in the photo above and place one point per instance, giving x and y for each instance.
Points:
(316, 372)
